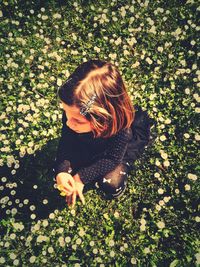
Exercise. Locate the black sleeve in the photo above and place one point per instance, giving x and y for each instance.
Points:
(141, 135)
(62, 161)
(110, 159)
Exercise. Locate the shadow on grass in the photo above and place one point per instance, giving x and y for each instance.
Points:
(30, 193)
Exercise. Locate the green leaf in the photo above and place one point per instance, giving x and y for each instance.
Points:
(174, 263)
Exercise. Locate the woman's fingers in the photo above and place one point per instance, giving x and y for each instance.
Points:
(68, 200)
(73, 199)
(80, 194)
(68, 187)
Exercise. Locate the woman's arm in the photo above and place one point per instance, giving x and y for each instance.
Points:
(64, 150)
(109, 160)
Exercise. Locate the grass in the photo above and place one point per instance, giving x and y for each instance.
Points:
(155, 46)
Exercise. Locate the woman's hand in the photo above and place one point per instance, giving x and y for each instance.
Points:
(65, 183)
(71, 199)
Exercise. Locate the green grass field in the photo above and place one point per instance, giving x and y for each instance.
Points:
(156, 47)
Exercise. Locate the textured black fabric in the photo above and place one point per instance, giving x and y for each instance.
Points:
(93, 158)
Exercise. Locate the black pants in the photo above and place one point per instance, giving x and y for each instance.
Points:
(113, 184)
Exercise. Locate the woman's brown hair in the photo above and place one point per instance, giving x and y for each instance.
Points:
(111, 110)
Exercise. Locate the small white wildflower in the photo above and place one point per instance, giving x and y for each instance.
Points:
(50, 250)
(111, 243)
(161, 225)
(68, 239)
(112, 253)
(186, 135)
(158, 207)
(71, 223)
(142, 227)
(197, 219)
(51, 216)
(187, 187)
(163, 138)
(32, 259)
(192, 176)
(146, 250)
(166, 163)
(91, 243)
(160, 191)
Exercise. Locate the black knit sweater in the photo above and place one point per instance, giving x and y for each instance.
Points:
(93, 158)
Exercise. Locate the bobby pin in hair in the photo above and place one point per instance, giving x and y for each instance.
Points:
(84, 110)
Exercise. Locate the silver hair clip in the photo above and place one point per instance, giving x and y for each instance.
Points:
(84, 110)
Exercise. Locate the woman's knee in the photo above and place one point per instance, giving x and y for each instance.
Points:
(113, 183)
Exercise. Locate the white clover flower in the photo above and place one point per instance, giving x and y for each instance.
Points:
(113, 56)
(118, 41)
(166, 163)
(157, 162)
(187, 91)
(197, 219)
(16, 262)
(153, 29)
(160, 49)
(78, 241)
(51, 216)
(163, 138)
(116, 214)
(160, 224)
(121, 248)
(142, 227)
(164, 155)
(73, 212)
(44, 17)
(186, 135)
(187, 187)
(166, 199)
(112, 253)
(95, 251)
(149, 61)
(71, 223)
(167, 121)
(197, 110)
(157, 174)
(1, 14)
(160, 191)
(133, 260)
(81, 232)
(13, 256)
(68, 239)
(60, 230)
(97, 49)
(192, 176)
(74, 247)
(158, 207)
(197, 137)
(111, 243)
(136, 64)
(12, 236)
(50, 250)
(146, 250)
(91, 243)
(143, 221)
(32, 259)
(161, 203)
